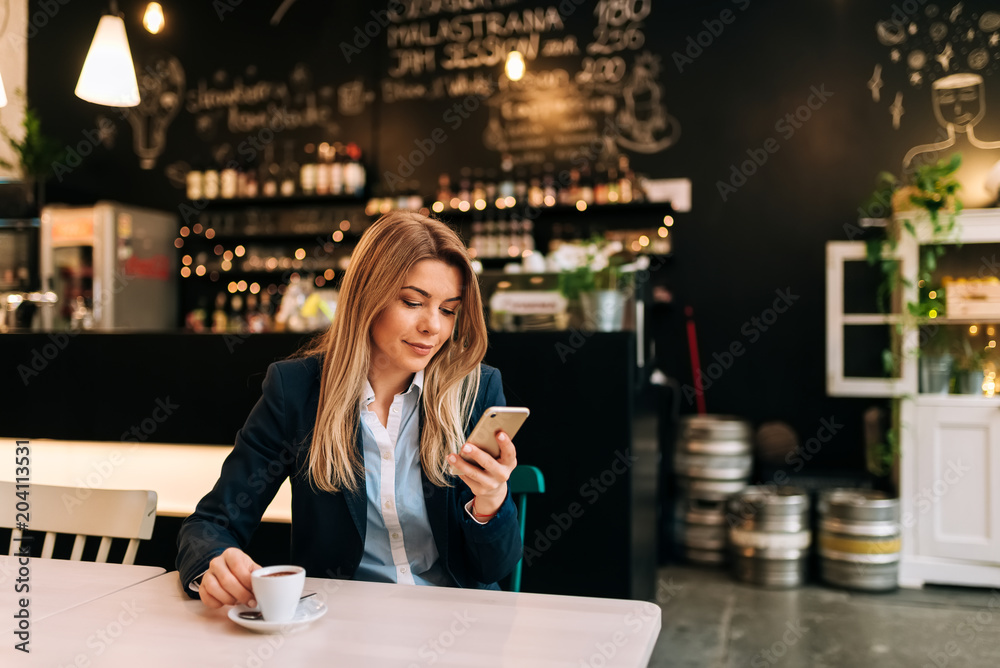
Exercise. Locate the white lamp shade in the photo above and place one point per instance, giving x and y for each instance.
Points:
(108, 75)
(3, 94)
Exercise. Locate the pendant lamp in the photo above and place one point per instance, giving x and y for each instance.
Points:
(108, 75)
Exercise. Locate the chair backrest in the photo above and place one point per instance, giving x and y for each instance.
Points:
(107, 513)
(523, 480)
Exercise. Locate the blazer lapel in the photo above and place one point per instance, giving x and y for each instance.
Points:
(357, 501)
(436, 501)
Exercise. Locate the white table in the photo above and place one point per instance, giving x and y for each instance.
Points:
(56, 585)
(154, 624)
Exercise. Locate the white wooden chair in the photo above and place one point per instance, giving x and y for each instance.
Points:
(108, 513)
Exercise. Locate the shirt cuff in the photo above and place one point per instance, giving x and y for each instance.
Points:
(195, 585)
(468, 511)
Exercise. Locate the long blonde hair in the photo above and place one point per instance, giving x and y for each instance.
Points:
(379, 265)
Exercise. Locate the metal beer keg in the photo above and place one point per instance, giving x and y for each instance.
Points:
(712, 462)
(859, 539)
(769, 535)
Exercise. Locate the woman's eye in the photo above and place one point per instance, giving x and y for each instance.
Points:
(447, 312)
(411, 304)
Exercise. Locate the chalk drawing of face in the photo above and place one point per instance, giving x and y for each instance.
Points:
(958, 100)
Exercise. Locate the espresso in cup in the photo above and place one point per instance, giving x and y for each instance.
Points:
(277, 590)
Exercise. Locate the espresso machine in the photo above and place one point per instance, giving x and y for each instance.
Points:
(110, 265)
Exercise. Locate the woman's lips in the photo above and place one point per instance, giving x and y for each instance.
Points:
(420, 349)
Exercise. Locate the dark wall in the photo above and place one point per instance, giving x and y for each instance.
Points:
(729, 75)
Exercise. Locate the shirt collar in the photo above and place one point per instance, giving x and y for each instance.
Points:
(368, 394)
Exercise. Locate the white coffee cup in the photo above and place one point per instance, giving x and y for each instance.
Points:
(277, 590)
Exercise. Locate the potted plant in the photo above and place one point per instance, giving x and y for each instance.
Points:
(936, 361)
(36, 156)
(970, 360)
(933, 190)
(594, 276)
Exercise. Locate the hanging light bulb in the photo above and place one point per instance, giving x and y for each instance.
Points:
(514, 66)
(3, 94)
(153, 18)
(108, 75)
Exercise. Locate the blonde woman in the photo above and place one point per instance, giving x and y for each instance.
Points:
(368, 426)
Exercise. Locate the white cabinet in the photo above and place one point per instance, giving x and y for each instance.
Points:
(949, 444)
(950, 491)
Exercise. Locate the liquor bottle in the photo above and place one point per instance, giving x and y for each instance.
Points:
(513, 248)
(266, 311)
(210, 183)
(337, 169)
(506, 187)
(550, 196)
(477, 241)
(289, 171)
(219, 318)
(527, 235)
(465, 186)
(444, 193)
(570, 192)
(242, 177)
(228, 181)
(195, 319)
(323, 170)
(354, 172)
(614, 196)
(250, 187)
(478, 188)
(237, 320)
(491, 186)
(502, 243)
(520, 186)
(269, 173)
(307, 175)
(536, 196)
(490, 245)
(626, 180)
(194, 181)
(586, 185)
(600, 184)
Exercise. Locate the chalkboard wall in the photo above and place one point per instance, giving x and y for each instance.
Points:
(780, 113)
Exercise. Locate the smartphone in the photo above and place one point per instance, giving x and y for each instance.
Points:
(507, 419)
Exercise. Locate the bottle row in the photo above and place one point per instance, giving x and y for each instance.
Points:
(600, 183)
(327, 169)
(304, 303)
(259, 223)
(237, 314)
(499, 238)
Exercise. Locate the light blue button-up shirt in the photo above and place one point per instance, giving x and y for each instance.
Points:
(399, 545)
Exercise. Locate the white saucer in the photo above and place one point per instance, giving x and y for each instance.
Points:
(308, 611)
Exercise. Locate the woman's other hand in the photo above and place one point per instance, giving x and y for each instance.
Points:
(486, 476)
(227, 581)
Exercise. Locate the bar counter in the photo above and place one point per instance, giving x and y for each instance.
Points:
(592, 533)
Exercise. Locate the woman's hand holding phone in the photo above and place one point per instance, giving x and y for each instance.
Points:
(485, 475)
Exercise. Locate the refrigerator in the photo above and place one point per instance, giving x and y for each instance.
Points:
(112, 267)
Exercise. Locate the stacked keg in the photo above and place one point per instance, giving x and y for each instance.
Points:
(859, 539)
(769, 535)
(712, 462)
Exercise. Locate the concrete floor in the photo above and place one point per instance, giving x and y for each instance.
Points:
(711, 621)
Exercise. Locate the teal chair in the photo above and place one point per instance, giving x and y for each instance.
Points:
(524, 480)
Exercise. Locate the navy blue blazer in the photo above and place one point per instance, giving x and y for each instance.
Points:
(328, 529)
